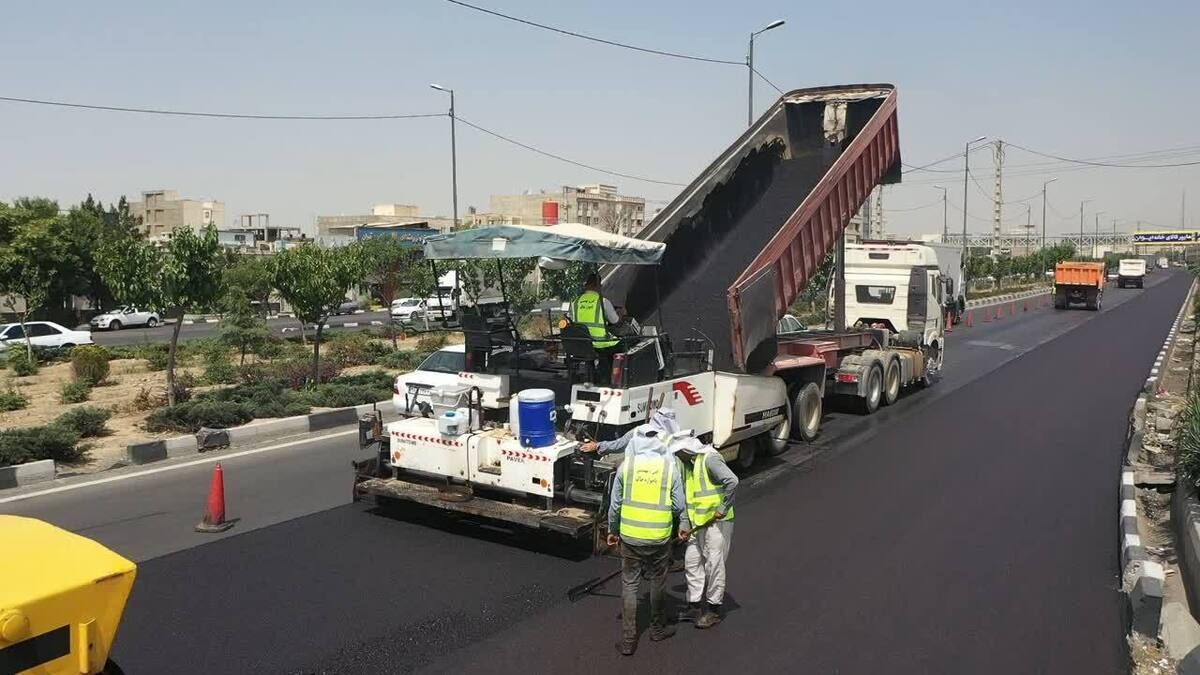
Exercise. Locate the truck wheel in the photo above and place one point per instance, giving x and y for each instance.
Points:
(775, 441)
(891, 383)
(874, 390)
(806, 413)
(747, 453)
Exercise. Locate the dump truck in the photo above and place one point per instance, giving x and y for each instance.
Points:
(61, 599)
(1079, 283)
(702, 289)
(1131, 272)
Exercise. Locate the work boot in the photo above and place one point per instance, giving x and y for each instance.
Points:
(710, 617)
(690, 612)
(627, 647)
(660, 633)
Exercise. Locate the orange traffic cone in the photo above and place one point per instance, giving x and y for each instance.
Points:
(949, 322)
(970, 319)
(214, 515)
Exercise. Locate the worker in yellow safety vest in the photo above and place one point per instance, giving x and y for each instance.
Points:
(710, 486)
(595, 312)
(645, 504)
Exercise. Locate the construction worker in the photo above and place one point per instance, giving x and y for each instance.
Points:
(596, 313)
(647, 499)
(662, 420)
(710, 488)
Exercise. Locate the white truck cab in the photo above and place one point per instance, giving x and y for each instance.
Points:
(897, 285)
(1131, 272)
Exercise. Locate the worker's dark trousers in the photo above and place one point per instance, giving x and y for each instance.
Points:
(649, 563)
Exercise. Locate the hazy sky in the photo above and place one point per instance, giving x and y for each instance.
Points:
(1078, 79)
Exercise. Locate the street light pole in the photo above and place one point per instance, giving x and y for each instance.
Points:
(966, 176)
(1044, 261)
(750, 67)
(453, 154)
(1096, 237)
(945, 214)
(1081, 203)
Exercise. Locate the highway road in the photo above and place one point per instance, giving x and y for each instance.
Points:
(280, 327)
(968, 528)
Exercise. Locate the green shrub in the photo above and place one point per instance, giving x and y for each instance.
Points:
(186, 379)
(357, 349)
(217, 367)
(74, 392)
(270, 349)
(190, 416)
(86, 420)
(403, 360)
(20, 362)
(89, 364)
(351, 390)
(295, 373)
(30, 444)
(11, 399)
(1187, 460)
(155, 355)
(124, 352)
(431, 342)
(371, 378)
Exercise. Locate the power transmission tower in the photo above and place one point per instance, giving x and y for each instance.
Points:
(878, 210)
(997, 197)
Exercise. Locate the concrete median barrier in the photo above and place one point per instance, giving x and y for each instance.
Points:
(26, 474)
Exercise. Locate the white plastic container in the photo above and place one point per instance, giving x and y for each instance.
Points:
(451, 423)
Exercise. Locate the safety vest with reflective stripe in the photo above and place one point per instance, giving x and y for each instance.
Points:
(588, 310)
(704, 498)
(646, 512)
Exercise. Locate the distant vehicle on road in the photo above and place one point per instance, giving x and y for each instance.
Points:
(347, 307)
(790, 324)
(439, 368)
(1078, 283)
(1131, 272)
(407, 309)
(43, 334)
(1163, 263)
(124, 317)
(1113, 275)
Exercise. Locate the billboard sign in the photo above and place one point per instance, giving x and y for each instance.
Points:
(1165, 238)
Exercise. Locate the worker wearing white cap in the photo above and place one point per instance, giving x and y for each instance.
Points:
(710, 486)
(662, 421)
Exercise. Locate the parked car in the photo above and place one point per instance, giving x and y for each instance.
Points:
(407, 309)
(43, 334)
(124, 317)
(790, 324)
(440, 367)
(348, 307)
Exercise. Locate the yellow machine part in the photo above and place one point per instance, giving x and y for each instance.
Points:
(61, 599)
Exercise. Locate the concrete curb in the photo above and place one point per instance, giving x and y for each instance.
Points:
(1007, 297)
(28, 473)
(156, 451)
(1142, 578)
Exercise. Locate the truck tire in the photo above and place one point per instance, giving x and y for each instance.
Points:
(775, 441)
(747, 453)
(891, 382)
(806, 413)
(872, 391)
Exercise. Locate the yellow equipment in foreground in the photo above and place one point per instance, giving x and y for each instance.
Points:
(61, 599)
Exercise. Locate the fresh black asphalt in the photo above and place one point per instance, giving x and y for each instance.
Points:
(970, 528)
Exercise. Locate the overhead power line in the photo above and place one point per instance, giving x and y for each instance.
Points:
(193, 113)
(764, 79)
(1107, 164)
(560, 158)
(915, 208)
(583, 36)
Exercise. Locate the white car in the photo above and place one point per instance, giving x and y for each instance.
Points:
(440, 367)
(124, 317)
(42, 334)
(406, 310)
(789, 324)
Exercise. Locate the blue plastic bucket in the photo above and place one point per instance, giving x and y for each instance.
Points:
(535, 414)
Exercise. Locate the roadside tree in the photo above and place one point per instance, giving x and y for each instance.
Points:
(314, 281)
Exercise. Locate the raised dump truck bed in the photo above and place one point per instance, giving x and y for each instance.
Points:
(751, 230)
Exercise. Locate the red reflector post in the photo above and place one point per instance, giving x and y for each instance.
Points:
(618, 371)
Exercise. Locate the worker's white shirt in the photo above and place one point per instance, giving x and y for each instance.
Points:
(610, 313)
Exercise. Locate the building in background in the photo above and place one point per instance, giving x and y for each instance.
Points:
(164, 211)
(340, 230)
(597, 205)
(256, 234)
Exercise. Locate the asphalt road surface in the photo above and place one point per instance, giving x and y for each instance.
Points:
(968, 528)
(162, 333)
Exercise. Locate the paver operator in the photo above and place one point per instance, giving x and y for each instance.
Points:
(710, 488)
(646, 501)
(596, 313)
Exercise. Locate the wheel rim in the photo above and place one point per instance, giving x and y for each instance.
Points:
(893, 383)
(875, 389)
(812, 415)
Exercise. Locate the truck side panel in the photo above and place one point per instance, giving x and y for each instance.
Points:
(755, 403)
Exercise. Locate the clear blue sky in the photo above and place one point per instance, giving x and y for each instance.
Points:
(1080, 79)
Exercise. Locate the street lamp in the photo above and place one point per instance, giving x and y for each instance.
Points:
(453, 154)
(750, 66)
(1096, 237)
(1044, 261)
(945, 221)
(966, 176)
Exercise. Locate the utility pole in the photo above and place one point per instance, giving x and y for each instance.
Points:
(945, 214)
(1080, 250)
(997, 196)
(866, 216)
(966, 177)
(453, 154)
(878, 213)
(1044, 217)
(750, 67)
(1096, 237)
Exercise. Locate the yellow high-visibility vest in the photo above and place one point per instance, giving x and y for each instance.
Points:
(588, 310)
(704, 498)
(646, 498)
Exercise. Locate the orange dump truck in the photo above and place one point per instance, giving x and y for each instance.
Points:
(1078, 283)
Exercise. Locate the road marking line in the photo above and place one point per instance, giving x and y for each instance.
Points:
(173, 467)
